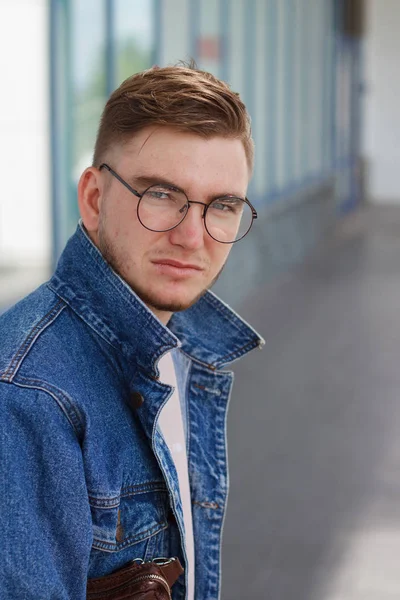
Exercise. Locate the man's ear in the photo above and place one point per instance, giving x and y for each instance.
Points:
(90, 191)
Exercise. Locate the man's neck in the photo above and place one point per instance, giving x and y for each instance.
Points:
(162, 315)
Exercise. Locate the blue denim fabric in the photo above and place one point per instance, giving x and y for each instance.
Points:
(87, 482)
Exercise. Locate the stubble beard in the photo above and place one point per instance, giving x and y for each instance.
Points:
(117, 265)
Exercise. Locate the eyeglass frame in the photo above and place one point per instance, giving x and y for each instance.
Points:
(189, 202)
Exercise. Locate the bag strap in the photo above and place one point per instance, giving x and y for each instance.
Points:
(171, 570)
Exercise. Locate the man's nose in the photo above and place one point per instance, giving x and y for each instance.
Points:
(190, 233)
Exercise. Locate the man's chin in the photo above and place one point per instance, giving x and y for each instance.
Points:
(160, 304)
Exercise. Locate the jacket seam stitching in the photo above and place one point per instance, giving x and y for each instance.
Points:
(140, 537)
(225, 312)
(119, 285)
(218, 363)
(104, 502)
(83, 318)
(198, 361)
(68, 409)
(237, 352)
(30, 339)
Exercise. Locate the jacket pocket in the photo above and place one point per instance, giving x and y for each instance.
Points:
(134, 515)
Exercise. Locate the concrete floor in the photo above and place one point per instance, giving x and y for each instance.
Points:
(314, 427)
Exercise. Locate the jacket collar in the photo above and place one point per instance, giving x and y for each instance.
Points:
(209, 332)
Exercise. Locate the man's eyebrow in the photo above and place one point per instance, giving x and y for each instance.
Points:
(146, 181)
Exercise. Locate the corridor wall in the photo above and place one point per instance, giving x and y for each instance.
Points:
(291, 62)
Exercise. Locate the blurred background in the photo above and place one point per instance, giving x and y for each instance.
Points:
(315, 461)
(298, 64)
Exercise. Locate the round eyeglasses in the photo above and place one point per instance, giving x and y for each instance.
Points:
(163, 207)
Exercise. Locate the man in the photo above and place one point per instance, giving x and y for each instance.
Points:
(113, 398)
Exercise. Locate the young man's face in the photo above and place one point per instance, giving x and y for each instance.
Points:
(168, 270)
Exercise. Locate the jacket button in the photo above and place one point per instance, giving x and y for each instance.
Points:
(136, 400)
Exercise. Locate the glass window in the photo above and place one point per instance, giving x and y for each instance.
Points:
(209, 42)
(261, 101)
(305, 99)
(316, 57)
(297, 90)
(328, 101)
(98, 49)
(279, 87)
(134, 37)
(88, 78)
(237, 50)
(178, 19)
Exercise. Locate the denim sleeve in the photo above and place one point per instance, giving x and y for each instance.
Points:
(46, 532)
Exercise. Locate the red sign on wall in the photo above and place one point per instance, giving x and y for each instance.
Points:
(209, 47)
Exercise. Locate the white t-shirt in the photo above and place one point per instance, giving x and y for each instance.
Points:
(171, 426)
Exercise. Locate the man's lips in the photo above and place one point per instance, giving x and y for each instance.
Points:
(176, 268)
(177, 264)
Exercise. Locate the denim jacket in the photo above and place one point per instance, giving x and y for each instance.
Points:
(88, 482)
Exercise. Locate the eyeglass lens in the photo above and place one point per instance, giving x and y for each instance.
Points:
(226, 220)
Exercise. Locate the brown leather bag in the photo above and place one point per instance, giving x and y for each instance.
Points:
(137, 581)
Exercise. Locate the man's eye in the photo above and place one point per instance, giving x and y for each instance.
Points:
(158, 194)
(169, 196)
(227, 206)
(220, 206)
